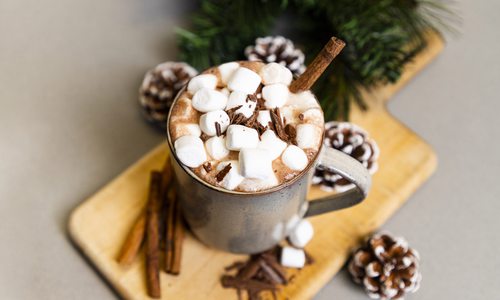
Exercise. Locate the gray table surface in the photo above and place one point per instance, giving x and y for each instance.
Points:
(69, 123)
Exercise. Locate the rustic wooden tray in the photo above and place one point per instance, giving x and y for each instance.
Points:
(99, 225)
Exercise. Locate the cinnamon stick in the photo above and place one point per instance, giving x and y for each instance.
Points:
(175, 266)
(152, 236)
(169, 247)
(318, 65)
(133, 242)
(167, 173)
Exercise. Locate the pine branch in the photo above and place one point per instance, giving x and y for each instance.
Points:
(382, 37)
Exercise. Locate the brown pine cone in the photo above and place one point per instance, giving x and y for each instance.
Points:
(386, 267)
(279, 50)
(159, 88)
(352, 140)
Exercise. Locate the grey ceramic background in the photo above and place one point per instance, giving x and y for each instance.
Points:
(69, 71)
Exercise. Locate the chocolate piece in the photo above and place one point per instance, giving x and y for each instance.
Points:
(204, 137)
(250, 269)
(278, 124)
(252, 97)
(252, 120)
(292, 133)
(207, 166)
(231, 112)
(217, 129)
(220, 176)
(272, 275)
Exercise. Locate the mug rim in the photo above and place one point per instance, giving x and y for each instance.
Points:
(240, 193)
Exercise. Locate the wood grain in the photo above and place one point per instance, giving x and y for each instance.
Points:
(101, 223)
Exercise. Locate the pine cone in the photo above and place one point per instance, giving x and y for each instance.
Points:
(159, 88)
(279, 50)
(352, 140)
(386, 267)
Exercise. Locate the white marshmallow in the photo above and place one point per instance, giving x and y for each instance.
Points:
(205, 100)
(275, 73)
(186, 129)
(254, 185)
(294, 158)
(312, 116)
(240, 98)
(308, 136)
(233, 178)
(302, 100)
(292, 257)
(216, 147)
(202, 81)
(225, 91)
(288, 114)
(244, 80)
(275, 95)
(208, 120)
(273, 144)
(227, 70)
(239, 136)
(264, 117)
(190, 150)
(256, 163)
(301, 234)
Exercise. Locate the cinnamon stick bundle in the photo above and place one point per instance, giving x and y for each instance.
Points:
(152, 236)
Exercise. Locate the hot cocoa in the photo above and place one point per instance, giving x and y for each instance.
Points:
(239, 127)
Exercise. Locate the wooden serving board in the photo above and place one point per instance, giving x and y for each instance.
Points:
(99, 225)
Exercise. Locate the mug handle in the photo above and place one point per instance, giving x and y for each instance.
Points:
(350, 169)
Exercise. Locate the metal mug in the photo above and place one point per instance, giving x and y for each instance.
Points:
(252, 222)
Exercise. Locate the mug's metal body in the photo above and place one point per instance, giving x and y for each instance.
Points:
(244, 222)
(240, 223)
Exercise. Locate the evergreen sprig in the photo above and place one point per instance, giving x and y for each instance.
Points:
(381, 37)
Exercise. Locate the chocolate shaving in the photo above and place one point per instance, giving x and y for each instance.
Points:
(278, 124)
(301, 117)
(261, 103)
(231, 112)
(252, 97)
(236, 266)
(250, 269)
(238, 119)
(270, 273)
(292, 133)
(250, 285)
(250, 122)
(217, 129)
(204, 137)
(207, 166)
(270, 258)
(259, 128)
(220, 176)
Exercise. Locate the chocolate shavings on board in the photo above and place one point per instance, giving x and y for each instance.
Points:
(261, 273)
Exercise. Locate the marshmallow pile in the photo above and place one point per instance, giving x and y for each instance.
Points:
(208, 137)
